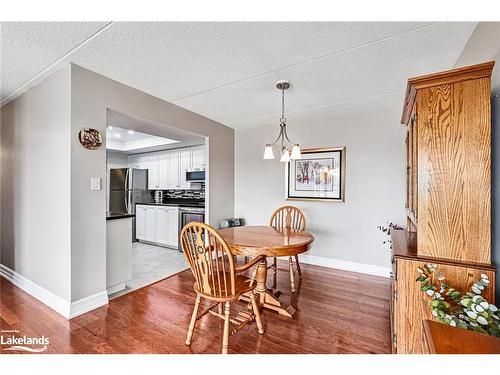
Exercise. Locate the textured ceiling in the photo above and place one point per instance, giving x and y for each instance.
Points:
(28, 48)
(227, 71)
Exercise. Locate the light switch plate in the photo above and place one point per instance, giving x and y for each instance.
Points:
(95, 183)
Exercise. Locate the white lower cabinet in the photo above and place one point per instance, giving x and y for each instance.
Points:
(150, 224)
(140, 222)
(158, 224)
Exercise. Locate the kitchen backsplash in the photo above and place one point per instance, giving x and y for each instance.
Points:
(183, 194)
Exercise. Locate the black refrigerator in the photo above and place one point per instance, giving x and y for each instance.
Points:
(128, 186)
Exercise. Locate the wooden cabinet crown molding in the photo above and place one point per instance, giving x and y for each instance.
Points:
(441, 78)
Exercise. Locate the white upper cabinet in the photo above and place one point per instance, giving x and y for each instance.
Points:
(147, 161)
(173, 169)
(184, 164)
(152, 167)
(198, 157)
(163, 168)
(167, 169)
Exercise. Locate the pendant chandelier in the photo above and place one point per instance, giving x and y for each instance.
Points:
(287, 149)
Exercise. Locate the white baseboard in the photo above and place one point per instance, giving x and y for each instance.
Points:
(60, 305)
(116, 288)
(56, 303)
(346, 265)
(87, 304)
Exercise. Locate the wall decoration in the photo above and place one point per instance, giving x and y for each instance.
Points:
(318, 175)
(90, 138)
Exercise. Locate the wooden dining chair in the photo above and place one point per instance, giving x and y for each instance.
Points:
(218, 279)
(288, 217)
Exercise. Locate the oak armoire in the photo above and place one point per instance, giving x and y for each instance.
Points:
(448, 201)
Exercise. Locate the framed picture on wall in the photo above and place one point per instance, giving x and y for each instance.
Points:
(319, 175)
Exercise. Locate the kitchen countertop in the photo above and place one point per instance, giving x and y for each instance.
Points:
(118, 215)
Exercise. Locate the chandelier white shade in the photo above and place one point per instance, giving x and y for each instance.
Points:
(296, 152)
(283, 143)
(285, 156)
(268, 152)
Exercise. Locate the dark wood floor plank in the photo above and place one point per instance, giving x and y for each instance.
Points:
(337, 312)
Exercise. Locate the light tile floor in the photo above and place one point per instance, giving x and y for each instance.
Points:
(152, 263)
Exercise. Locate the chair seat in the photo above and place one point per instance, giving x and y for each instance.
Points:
(241, 285)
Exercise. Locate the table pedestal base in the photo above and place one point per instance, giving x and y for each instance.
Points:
(266, 298)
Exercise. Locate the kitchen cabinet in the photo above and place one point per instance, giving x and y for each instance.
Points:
(172, 225)
(140, 222)
(150, 227)
(151, 161)
(159, 223)
(184, 164)
(198, 157)
(163, 168)
(167, 169)
(173, 170)
(147, 161)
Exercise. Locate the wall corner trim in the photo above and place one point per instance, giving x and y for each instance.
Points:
(345, 265)
(87, 304)
(60, 305)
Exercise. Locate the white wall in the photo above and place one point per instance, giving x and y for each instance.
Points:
(375, 177)
(91, 95)
(35, 190)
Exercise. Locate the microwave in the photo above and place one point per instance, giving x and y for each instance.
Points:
(195, 175)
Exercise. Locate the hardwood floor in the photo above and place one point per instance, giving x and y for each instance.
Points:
(337, 312)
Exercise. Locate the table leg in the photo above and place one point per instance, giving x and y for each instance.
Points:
(267, 299)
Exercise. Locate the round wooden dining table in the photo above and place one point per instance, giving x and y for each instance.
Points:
(253, 241)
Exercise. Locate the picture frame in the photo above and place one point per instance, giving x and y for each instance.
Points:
(318, 176)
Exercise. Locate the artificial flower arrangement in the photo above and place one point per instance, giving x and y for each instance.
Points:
(448, 305)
